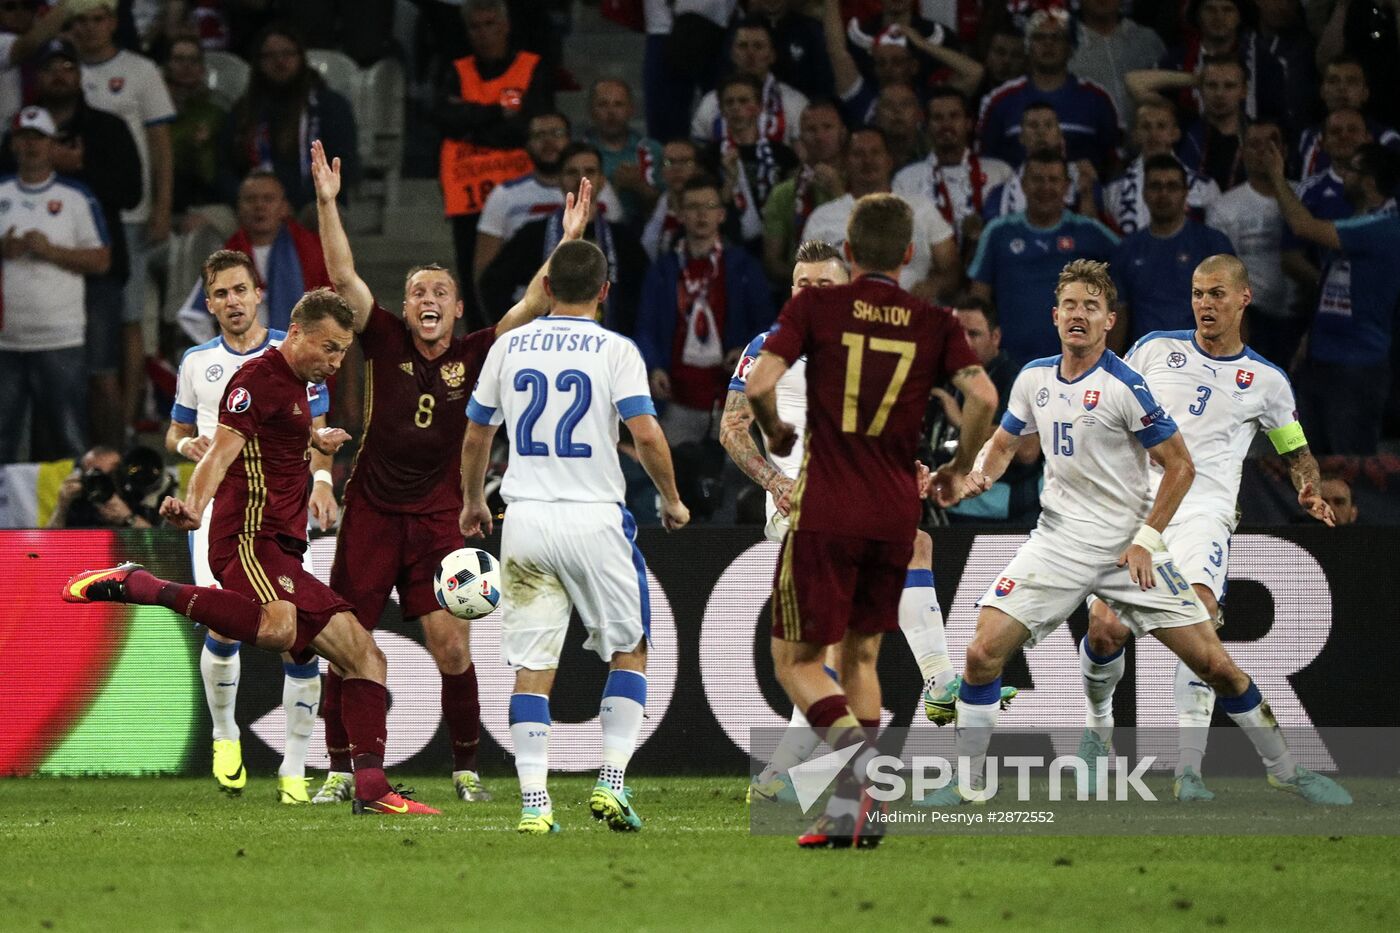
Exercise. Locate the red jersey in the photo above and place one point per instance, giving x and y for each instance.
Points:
(265, 490)
(415, 418)
(874, 352)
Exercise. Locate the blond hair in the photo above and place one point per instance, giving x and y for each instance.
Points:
(1093, 275)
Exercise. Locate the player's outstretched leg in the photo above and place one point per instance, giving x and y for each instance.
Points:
(301, 694)
(340, 781)
(232, 615)
(220, 668)
(798, 743)
(449, 642)
(1195, 701)
(529, 733)
(1200, 647)
(620, 714)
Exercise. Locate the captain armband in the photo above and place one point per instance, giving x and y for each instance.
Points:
(1288, 438)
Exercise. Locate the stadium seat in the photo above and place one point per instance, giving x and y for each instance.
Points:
(227, 75)
(340, 73)
(380, 116)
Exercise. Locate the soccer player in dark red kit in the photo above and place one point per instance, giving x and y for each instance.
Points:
(874, 352)
(405, 493)
(257, 464)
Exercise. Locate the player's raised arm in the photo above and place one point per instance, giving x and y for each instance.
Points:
(655, 455)
(335, 245)
(186, 515)
(535, 301)
(1299, 219)
(1178, 472)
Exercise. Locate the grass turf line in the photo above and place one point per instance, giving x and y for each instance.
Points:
(172, 854)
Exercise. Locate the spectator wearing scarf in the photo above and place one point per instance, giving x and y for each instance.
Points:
(701, 303)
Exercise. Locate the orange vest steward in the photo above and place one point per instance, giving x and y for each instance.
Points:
(468, 172)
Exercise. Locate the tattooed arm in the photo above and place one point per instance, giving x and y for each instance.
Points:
(1302, 469)
(736, 435)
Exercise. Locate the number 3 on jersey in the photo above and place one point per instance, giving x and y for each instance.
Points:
(855, 357)
(537, 384)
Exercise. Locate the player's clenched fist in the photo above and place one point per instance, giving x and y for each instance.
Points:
(178, 514)
(329, 440)
(674, 515)
(476, 520)
(781, 442)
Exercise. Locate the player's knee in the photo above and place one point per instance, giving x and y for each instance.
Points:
(453, 655)
(1104, 641)
(277, 627)
(1219, 670)
(982, 663)
(922, 558)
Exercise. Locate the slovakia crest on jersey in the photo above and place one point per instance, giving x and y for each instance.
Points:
(1005, 585)
(1091, 399)
(55, 207)
(1244, 378)
(115, 85)
(239, 400)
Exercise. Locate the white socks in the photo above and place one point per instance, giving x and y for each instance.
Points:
(796, 746)
(921, 621)
(1194, 704)
(301, 695)
(529, 732)
(220, 667)
(1252, 714)
(979, 706)
(1101, 676)
(620, 713)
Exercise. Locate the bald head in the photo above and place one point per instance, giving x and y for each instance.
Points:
(1226, 265)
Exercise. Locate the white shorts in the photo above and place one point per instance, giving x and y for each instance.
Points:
(1051, 575)
(1200, 545)
(557, 556)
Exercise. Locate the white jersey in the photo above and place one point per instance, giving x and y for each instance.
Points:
(131, 86)
(1254, 224)
(1219, 403)
(514, 204)
(561, 384)
(828, 224)
(204, 374)
(782, 104)
(791, 396)
(41, 303)
(1097, 489)
(1126, 202)
(957, 190)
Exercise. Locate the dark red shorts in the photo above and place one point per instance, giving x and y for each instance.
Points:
(264, 569)
(826, 584)
(379, 551)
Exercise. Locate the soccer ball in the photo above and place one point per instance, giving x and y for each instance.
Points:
(468, 583)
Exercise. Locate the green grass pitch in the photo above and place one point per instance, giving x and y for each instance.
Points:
(172, 854)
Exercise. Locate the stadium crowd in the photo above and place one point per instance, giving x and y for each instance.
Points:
(1024, 134)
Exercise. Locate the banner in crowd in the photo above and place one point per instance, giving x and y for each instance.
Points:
(116, 689)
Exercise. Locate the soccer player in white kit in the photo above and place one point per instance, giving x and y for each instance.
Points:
(1100, 533)
(233, 298)
(561, 383)
(818, 264)
(1220, 393)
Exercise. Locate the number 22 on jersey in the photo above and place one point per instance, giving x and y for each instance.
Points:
(537, 384)
(856, 345)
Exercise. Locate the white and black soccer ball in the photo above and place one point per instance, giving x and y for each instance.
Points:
(468, 583)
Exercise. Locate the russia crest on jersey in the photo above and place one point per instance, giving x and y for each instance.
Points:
(1091, 399)
(1244, 378)
(239, 400)
(1005, 585)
